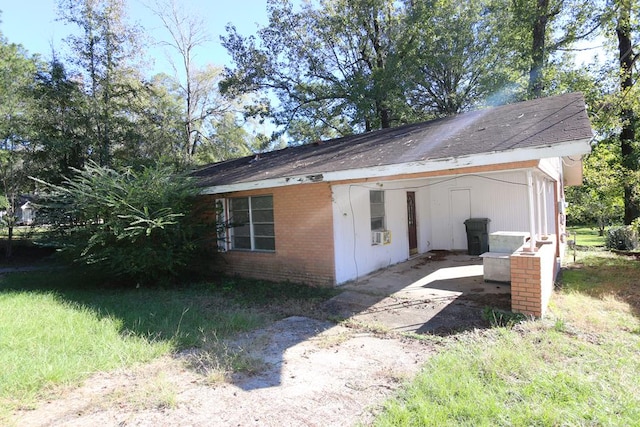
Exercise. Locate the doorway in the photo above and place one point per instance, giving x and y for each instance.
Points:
(411, 221)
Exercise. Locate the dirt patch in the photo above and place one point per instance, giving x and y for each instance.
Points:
(311, 373)
(499, 301)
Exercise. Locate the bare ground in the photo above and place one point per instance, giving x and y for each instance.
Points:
(298, 371)
(303, 372)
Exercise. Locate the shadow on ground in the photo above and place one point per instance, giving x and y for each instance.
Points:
(437, 293)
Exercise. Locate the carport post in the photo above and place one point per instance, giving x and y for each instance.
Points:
(545, 225)
(532, 216)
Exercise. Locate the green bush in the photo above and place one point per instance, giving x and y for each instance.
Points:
(624, 238)
(133, 225)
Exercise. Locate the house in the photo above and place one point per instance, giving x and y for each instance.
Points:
(24, 214)
(330, 212)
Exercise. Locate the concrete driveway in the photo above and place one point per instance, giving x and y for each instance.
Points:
(438, 292)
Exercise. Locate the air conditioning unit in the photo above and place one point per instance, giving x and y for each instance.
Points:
(381, 237)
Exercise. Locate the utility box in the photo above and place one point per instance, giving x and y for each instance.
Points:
(507, 241)
(497, 263)
(496, 267)
(477, 235)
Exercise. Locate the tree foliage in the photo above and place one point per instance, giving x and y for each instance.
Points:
(599, 200)
(16, 72)
(626, 27)
(102, 52)
(135, 224)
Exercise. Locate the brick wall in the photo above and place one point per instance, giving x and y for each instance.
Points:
(532, 280)
(304, 238)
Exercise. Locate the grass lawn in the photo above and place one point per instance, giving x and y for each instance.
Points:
(58, 327)
(586, 236)
(579, 366)
(21, 232)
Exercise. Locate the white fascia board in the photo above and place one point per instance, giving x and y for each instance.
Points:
(571, 148)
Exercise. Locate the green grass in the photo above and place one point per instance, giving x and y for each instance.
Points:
(578, 366)
(21, 232)
(45, 340)
(586, 236)
(58, 327)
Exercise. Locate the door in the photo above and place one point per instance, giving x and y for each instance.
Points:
(411, 221)
(460, 212)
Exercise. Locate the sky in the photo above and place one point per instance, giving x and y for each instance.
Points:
(34, 24)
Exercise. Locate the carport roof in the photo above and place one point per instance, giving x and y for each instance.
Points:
(542, 128)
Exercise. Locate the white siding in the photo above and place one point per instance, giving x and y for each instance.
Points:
(501, 197)
(355, 256)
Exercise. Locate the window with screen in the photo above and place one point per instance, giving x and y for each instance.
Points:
(376, 203)
(252, 225)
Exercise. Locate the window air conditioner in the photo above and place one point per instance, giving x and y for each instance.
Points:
(381, 237)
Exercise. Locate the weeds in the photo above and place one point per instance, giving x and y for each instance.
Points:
(217, 361)
(500, 318)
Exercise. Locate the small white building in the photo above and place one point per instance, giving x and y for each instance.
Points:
(26, 214)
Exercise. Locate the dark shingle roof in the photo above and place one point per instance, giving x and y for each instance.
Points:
(538, 123)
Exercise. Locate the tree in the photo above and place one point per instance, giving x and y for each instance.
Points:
(334, 70)
(198, 87)
(338, 67)
(135, 225)
(457, 63)
(599, 200)
(58, 141)
(630, 149)
(231, 140)
(102, 52)
(534, 31)
(17, 72)
(155, 112)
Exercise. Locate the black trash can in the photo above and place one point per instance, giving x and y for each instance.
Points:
(477, 235)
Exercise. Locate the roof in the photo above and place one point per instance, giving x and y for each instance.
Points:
(542, 128)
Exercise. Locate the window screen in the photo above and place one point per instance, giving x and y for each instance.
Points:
(252, 223)
(376, 203)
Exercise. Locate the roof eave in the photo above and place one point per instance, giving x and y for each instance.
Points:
(569, 148)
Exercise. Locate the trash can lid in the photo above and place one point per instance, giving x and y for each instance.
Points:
(472, 220)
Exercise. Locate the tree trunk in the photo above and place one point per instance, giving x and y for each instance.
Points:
(627, 115)
(11, 220)
(9, 248)
(539, 32)
(385, 118)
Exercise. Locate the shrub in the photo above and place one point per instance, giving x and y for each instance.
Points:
(624, 238)
(134, 225)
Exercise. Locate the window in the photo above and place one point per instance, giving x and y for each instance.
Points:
(376, 203)
(252, 223)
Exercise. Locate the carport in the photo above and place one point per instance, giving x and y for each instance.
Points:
(438, 292)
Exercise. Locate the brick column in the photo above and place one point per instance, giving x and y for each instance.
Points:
(532, 279)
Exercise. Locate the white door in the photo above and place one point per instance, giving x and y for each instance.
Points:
(460, 204)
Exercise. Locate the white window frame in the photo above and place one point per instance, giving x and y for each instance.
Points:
(372, 208)
(252, 233)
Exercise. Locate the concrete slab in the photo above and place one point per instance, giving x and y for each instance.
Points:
(438, 292)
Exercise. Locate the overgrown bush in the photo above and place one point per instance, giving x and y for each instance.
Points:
(623, 238)
(133, 225)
